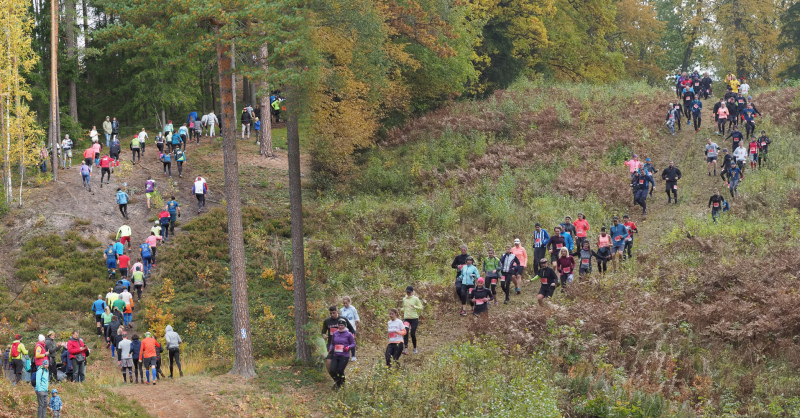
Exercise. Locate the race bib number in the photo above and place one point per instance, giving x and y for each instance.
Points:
(618, 238)
(544, 280)
(585, 262)
(763, 144)
(641, 181)
(696, 84)
(494, 281)
(338, 348)
(479, 301)
(392, 335)
(687, 98)
(471, 289)
(716, 204)
(558, 246)
(566, 270)
(675, 187)
(695, 106)
(753, 149)
(579, 230)
(538, 240)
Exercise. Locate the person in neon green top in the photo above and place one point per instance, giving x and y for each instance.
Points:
(111, 296)
(119, 305)
(16, 361)
(124, 235)
(491, 271)
(411, 308)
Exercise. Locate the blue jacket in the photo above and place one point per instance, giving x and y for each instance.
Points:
(98, 307)
(122, 197)
(189, 118)
(145, 248)
(618, 231)
(55, 402)
(136, 345)
(42, 379)
(567, 240)
(697, 106)
(469, 274)
(257, 125)
(543, 238)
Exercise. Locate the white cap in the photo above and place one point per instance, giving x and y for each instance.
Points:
(516, 241)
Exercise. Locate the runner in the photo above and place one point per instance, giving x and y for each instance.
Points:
(582, 228)
(160, 143)
(741, 156)
(163, 219)
(173, 342)
(491, 271)
(711, 150)
(549, 279)
(331, 325)
(114, 150)
(733, 111)
(458, 263)
(749, 115)
(180, 158)
(585, 255)
(697, 107)
(510, 264)
(174, 210)
(540, 240)
(98, 307)
(342, 341)
(147, 356)
(152, 241)
(566, 267)
(139, 281)
(557, 242)
(135, 149)
(149, 189)
(142, 139)
(166, 160)
(136, 348)
(722, 114)
(672, 118)
(480, 298)
(396, 330)
(603, 254)
(716, 203)
(631, 227)
(618, 235)
(110, 256)
(177, 140)
(640, 186)
(728, 161)
(763, 148)
(124, 235)
(127, 310)
(105, 168)
(350, 313)
(568, 227)
(736, 176)
(412, 306)
(86, 173)
(651, 171)
(122, 201)
(522, 256)
(147, 257)
(88, 157)
(688, 97)
(671, 174)
(706, 84)
(469, 273)
(200, 189)
(125, 357)
(122, 264)
(96, 147)
(633, 164)
(753, 148)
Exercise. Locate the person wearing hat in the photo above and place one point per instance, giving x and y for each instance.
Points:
(52, 348)
(548, 278)
(350, 313)
(40, 384)
(481, 297)
(763, 147)
(340, 346)
(411, 309)
(147, 355)
(522, 256)
(508, 268)
(18, 350)
(469, 273)
(331, 325)
(396, 330)
(39, 356)
(540, 240)
(107, 130)
(55, 403)
(651, 171)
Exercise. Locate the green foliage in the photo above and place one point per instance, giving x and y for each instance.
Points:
(461, 379)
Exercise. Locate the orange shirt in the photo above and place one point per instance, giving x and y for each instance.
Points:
(521, 254)
(89, 153)
(148, 349)
(603, 241)
(581, 227)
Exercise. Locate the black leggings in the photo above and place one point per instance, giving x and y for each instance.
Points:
(138, 370)
(138, 288)
(721, 126)
(687, 110)
(168, 168)
(602, 266)
(123, 209)
(628, 246)
(465, 293)
(393, 351)
(180, 167)
(104, 171)
(506, 283)
(750, 128)
(135, 153)
(336, 370)
(697, 121)
(174, 355)
(412, 330)
(762, 155)
(671, 189)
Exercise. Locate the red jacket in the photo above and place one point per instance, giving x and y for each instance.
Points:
(76, 347)
(105, 162)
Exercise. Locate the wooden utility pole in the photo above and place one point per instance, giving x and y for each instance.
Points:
(244, 364)
(54, 86)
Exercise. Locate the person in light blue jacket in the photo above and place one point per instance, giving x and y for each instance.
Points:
(469, 274)
(42, 383)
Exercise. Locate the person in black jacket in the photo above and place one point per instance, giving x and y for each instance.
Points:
(459, 262)
(480, 297)
(671, 175)
(247, 119)
(718, 203)
(508, 268)
(705, 86)
(549, 279)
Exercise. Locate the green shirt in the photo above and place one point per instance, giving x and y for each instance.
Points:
(107, 317)
(490, 264)
(138, 277)
(411, 307)
(119, 304)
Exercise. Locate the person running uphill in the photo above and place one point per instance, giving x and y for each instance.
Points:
(200, 190)
(174, 210)
(122, 201)
(671, 174)
(147, 355)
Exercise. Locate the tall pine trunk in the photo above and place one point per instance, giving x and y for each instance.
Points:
(266, 111)
(244, 364)
(302, 348)
(54, 128)
(70, 17)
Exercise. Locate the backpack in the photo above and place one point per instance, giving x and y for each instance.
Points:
(15, 349)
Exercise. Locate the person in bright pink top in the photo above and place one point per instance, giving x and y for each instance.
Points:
(522, 255)
(152, 240)
(581, 230)
(634, 164)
